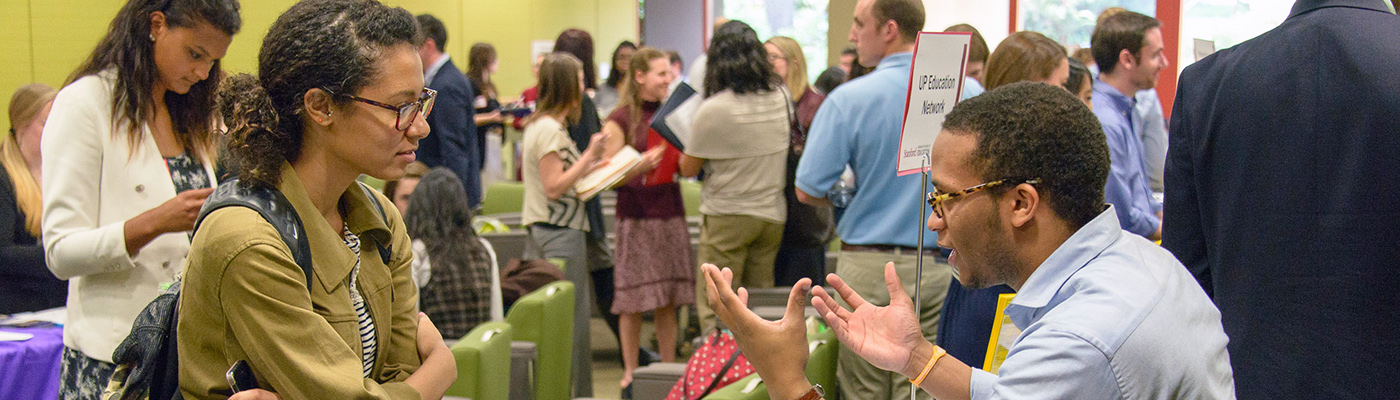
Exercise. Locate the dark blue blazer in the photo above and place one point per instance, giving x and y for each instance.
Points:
(1283, 198)
(453, 142)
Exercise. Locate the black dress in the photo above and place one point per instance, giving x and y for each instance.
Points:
(26, 284)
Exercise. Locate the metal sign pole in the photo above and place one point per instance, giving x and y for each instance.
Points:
(919, 265)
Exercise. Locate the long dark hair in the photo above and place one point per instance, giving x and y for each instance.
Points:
(317, 44)
(439, 216)
(737, 61)
(617, 72)
(129, 50)
(580, 44)
(479, 60)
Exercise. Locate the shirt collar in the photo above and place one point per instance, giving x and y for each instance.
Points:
(433, 69)
(1116, 98)
(1076, 252)
(896, 60)
(333, 260)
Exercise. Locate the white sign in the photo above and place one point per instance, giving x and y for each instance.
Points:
(935, 86)
(539, 48)
(1203, 48)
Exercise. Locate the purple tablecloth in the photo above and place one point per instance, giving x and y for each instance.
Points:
(29, 369)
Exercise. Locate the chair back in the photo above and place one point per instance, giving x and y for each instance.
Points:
(503, 198)
(483, 363)
(546, 318)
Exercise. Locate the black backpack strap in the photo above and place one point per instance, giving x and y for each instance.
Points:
(384, 250)
(274, 207)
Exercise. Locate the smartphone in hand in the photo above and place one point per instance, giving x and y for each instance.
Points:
(240, 377)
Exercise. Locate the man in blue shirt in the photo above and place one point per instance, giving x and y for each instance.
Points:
(1104, 315)
(1128, 50)
(859, 125)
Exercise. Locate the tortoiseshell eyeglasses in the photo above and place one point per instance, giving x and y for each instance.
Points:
(407, 112)
(936, 198)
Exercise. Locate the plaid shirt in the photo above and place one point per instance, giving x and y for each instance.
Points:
(458, 296)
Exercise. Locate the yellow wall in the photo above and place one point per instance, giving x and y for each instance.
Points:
(45, 40)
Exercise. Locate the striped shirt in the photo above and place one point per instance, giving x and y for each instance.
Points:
(369, 344)
(542, 137)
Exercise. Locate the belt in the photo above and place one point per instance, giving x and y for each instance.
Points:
(888, 248)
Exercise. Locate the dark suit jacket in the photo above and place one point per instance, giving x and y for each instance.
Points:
(453, 142)
(1281, 197)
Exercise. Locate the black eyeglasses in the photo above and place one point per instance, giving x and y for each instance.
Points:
(936, 199)
(407, 111)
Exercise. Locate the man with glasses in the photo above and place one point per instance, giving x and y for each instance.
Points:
(1018, 176)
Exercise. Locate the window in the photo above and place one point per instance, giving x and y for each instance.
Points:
(1227, 22)
(781, 18)
(1071, 22)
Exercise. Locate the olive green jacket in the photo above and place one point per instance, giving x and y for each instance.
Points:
(244, 298)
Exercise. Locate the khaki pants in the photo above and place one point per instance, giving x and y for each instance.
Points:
(865, 273)
(745, 244)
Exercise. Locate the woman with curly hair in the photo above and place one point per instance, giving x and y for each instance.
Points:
(339, 93)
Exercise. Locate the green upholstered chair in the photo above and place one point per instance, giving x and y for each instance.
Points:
(546, 318)
(503, 198)
(821, 363)
(690, 194)
(483, 363)
(743, 389)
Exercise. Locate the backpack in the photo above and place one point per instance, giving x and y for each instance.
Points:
(148, 362)
(716, 364)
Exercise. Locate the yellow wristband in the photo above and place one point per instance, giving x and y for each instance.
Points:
(938, 353)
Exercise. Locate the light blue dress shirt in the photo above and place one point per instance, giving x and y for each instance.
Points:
(1151, 126)
(1127, 188)
(971, 88)
(859, 124)
(1111, 316)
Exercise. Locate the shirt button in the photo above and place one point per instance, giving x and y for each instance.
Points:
(140, 188)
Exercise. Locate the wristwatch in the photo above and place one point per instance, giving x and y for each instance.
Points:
(814, 394)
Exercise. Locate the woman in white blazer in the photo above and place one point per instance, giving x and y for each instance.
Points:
(128, 156)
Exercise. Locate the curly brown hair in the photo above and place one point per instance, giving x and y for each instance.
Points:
(331, 45)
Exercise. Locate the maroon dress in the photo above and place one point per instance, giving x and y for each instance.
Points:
(654, 267)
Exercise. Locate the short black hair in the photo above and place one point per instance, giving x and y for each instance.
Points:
(1031, 130)
(737, 61)
(830, 79)
(432, 28)
(675, 57)
(1118, 32)
(850, 51)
